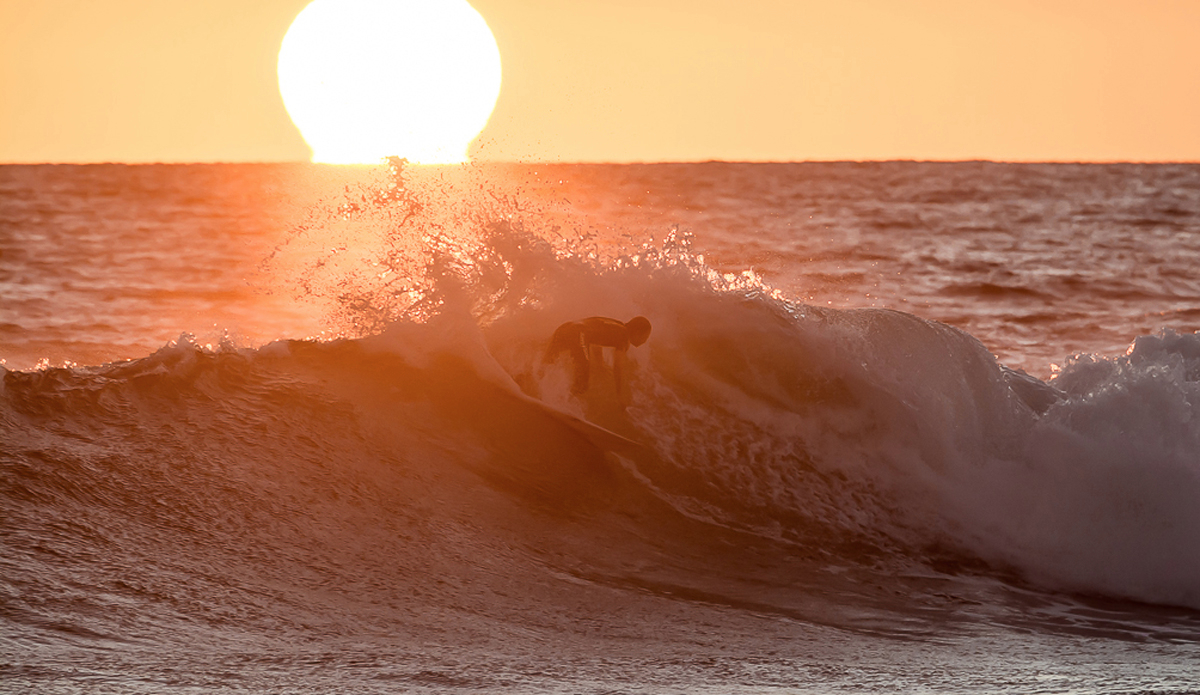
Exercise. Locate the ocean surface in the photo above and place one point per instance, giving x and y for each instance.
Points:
(899, 427)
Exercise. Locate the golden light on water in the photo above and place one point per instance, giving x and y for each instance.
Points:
(367, 79)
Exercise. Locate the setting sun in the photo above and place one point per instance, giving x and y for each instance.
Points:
(772, 346)
(367, 79)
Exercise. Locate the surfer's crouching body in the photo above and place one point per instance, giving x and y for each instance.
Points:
(581, 337)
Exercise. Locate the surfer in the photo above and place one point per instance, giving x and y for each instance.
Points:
(581, 337)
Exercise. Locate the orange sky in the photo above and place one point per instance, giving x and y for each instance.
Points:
(641, 80)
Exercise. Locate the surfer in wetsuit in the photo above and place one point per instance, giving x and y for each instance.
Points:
(581, 337)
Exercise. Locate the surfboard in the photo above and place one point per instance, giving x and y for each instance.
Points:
(600, 436)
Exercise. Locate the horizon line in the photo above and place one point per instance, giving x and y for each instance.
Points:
(632, 162)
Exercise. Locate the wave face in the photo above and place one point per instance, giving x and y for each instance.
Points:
(834, 437)
(865, 470)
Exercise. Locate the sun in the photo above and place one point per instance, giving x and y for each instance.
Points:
(367, 79)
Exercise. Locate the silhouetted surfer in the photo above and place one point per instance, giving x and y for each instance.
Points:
(580, 337)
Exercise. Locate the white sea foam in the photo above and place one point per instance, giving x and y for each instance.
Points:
(1103, 496)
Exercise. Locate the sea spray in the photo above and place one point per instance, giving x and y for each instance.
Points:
(807, 424)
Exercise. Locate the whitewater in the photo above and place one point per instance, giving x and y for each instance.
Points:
(899, 427)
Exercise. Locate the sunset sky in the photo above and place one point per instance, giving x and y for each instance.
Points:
(640, 80)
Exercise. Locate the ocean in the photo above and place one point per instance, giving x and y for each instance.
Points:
(898, 427)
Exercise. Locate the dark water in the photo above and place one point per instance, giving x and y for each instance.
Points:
(346, 482)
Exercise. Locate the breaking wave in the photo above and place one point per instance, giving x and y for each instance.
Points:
(406, 470)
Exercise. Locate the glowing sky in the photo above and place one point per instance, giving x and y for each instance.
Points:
(641, 80)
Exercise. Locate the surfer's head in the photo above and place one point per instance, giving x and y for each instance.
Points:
(638, 328)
